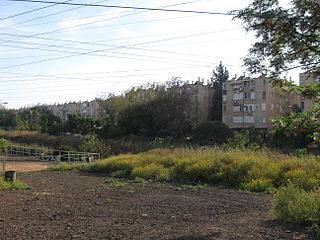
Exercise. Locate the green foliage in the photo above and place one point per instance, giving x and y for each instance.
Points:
(33, 119)
(258, 185)
(3, 145)
(154, 111)
(249, 170)
(17, 185)
(219, 76)
(287, 36)
(79, 124)
(252, 139)
(152, 171)
(209, 133)
(89, 144)
(293, 204)
(301, 125)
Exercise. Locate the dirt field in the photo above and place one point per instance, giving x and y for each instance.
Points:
(20, 164)
(67, 205)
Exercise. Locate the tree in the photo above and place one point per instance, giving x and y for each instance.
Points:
(219, 76)
(288, 38)
(79, 124)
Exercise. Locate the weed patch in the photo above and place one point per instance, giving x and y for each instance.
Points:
(17, 185)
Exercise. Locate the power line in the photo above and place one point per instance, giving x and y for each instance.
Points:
(31, 20)
(127, 7)
(97, 51)
(33, 10)
(49, 15)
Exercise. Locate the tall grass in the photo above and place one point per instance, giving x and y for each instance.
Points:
(248, 170)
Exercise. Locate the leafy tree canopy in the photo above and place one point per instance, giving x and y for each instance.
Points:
(288, 38)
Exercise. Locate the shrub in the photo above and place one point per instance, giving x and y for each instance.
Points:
(303, 178)
(293, 204)
(13, 185)
(209, 133)
(151, 171)
(3, 145)
(258, 185)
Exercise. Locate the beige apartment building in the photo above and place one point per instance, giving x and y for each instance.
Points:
(86, 109)
(305, 78)
(251, 102)
(201, 100)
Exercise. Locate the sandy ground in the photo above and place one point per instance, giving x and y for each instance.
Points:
(11, 162)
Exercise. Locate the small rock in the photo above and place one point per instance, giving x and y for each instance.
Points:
(144, 215)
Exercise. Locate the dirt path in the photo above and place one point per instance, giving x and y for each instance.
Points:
(67, 205)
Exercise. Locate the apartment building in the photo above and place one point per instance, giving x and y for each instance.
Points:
(201, 100)
(305, 78)
(251, 102)
(86, 108)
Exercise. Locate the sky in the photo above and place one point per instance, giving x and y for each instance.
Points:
(61, 53)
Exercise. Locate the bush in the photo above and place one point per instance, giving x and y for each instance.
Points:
(19, 185)
(293, 204)
(258, 185)
(3, 145)
(210, 133)
(151, 171)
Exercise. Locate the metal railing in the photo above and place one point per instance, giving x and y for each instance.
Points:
(45, 154)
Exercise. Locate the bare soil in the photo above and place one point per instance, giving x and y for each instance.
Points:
(69, 205)
(21, 163)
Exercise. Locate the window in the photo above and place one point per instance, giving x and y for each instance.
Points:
(237, 119)
(246, 84)
(263, 107)
(264, 95)
(257, 107)
(224, 98)
(224, 86)
(248, 119)
(252, 95)
(224, 108)
(302, 105)
(236, 108)
(236, 86)
(238, 96)
(249, 107)
(264, 82)
(249, 95)
(253, 83)
(264, 120)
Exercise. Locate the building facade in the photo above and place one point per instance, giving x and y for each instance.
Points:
(305, 78)
(86, 109)
(251, 102)
(201, 100)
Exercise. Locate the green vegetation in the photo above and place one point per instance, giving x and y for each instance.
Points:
(286, 39)
(210, 133)
(18, 185)
(3, 145)
(244, 169)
